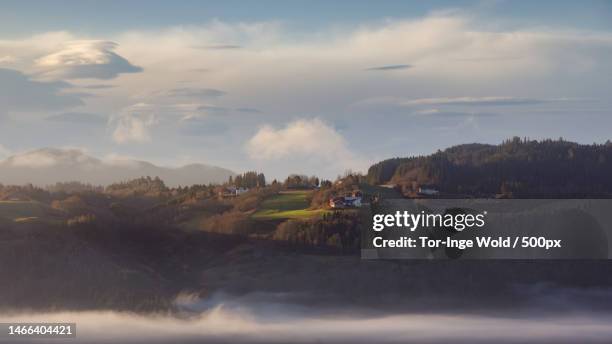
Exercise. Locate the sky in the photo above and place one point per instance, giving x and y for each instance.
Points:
(310, 87)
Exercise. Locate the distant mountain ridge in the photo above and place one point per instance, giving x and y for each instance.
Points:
(48, 166)
(515, 168)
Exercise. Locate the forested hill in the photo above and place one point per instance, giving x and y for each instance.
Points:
(515, 168)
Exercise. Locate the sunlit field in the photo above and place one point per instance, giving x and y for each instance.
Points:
(288, 205)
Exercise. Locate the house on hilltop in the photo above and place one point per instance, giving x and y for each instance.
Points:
(350, 201)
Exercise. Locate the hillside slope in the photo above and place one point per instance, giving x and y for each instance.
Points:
(515, 168)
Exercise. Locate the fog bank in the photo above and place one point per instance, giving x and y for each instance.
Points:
(235, 324)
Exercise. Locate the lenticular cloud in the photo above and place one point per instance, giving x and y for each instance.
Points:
(86, 59)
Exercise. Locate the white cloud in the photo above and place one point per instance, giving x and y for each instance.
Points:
(46, 157)
(324, 72)
(447, 55)
(70, 156)
(134, 123)
(461, 106)
(4, 152)
(7, 59)
(130, 128)
(85, 59)
(474, 101)
(186, 92)
(437, 46)
(121, 160)
(460, 101)
(34, 159)
(454, 61)
(309, 139)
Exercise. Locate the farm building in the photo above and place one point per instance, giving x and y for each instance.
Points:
(349, 201)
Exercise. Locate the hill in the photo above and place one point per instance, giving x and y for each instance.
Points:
(515, 168)
(48, 166)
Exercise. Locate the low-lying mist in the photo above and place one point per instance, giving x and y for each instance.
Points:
(263, 318)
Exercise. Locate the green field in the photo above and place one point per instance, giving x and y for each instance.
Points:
(287, 205)
(28, 211)
(22, 209)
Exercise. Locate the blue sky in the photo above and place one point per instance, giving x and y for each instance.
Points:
(96, 17)
(312, 87)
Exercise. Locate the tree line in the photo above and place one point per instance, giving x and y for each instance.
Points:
(515, 168)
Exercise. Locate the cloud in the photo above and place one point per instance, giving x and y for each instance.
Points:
(121, 160)
(452, 114)
(462, 101)
(310, 139)
(488, 58)
(459, 63)
(316, 72)
(248, 110)
(173, 111)
(98, 87)
(33, 160)
(192, 92)
(7, 59)
(177, 103)
(4, 152)
(78, 118)
(85, 59)
(20, 93)
(133, 125)
(236, 320)
(390, 67)
(46, 157)
(221, 47)
(211, 109)
(221, 110)
(476, 101)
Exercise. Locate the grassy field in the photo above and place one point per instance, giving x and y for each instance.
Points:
(287, 205)
(29, 211)
(22, 209)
